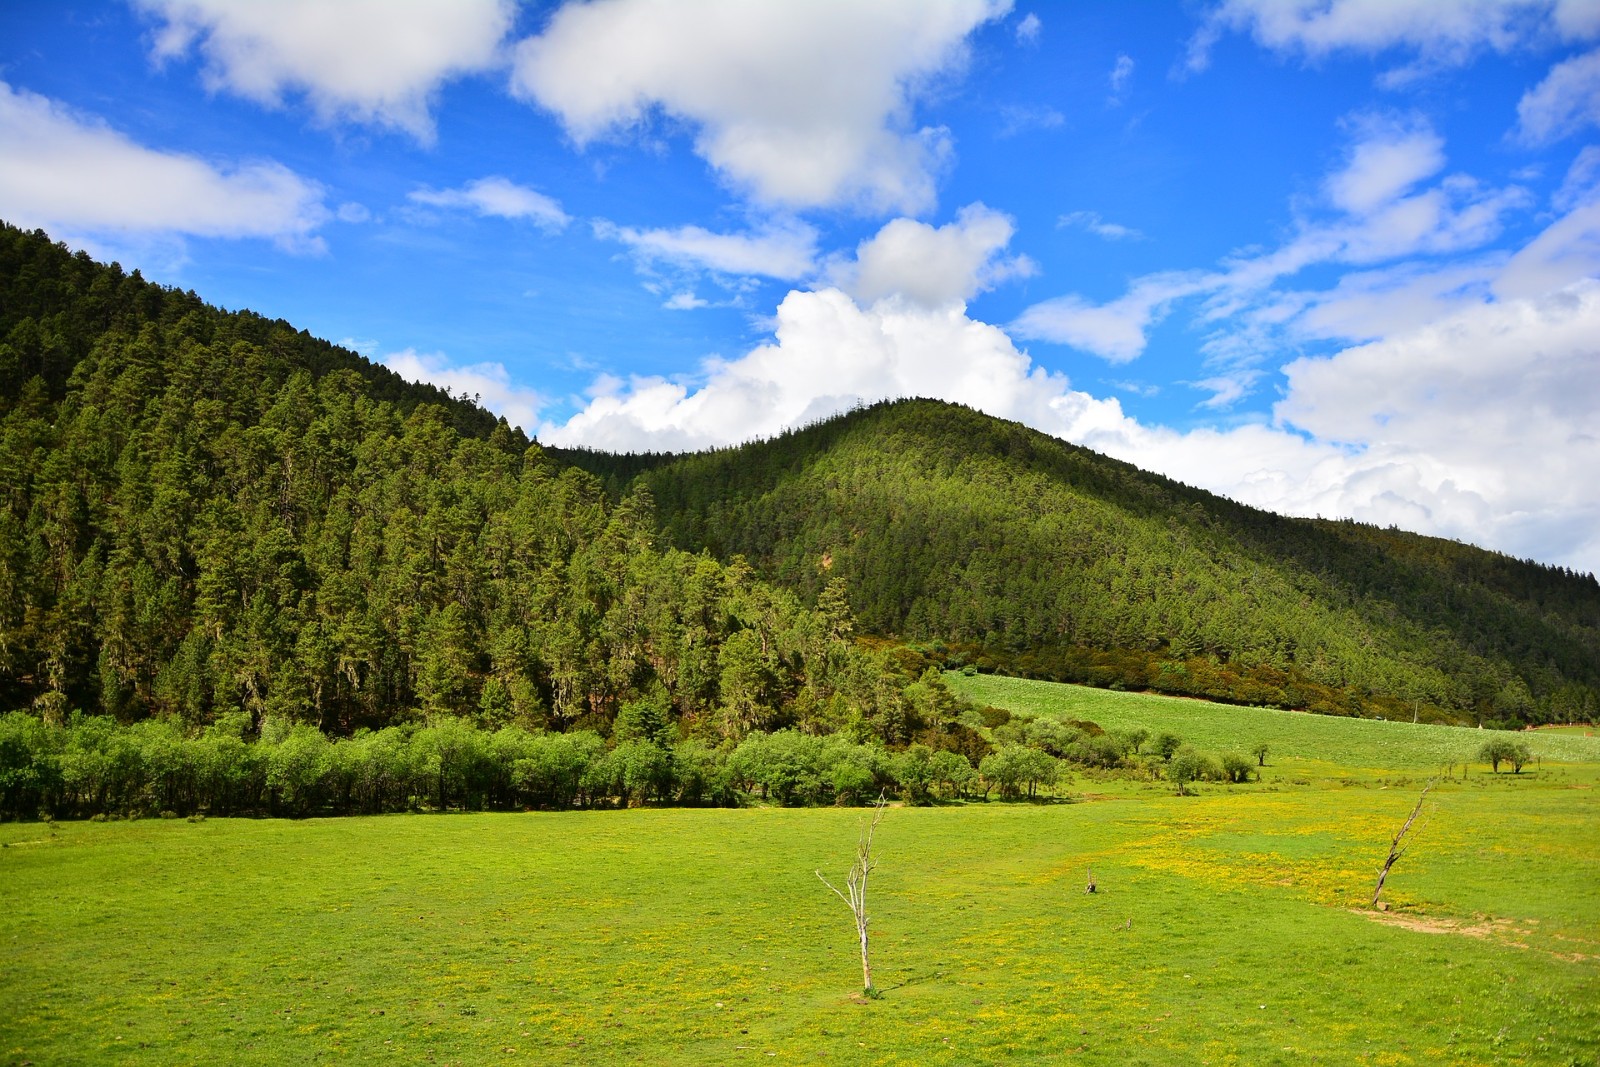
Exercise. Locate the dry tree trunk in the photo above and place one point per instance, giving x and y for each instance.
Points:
(1401, 844)
(855, 883)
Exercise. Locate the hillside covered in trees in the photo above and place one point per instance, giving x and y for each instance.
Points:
(214, 520)
(1003, 547)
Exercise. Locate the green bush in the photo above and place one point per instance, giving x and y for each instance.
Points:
(1236, 768)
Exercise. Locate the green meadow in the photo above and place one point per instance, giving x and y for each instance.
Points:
(1371, 744)
(1227, 927)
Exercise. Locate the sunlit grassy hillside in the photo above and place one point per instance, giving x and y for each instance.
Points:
(1350, 743)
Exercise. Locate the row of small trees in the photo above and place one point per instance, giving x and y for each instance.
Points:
(95, 766)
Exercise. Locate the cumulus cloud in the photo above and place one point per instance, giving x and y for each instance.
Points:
(1564, 103)
(799, 105)
(498, 197)
(785, 249)
(1437, 35)
(1486, 414)
(491, 383)
(73, 174)
(377, 62)
(930, 265)
(1029, 28)
(828, 354)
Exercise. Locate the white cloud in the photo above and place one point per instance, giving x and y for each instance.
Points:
(1582, 180)
(490, 382)
(498, 197)
(1227, 389)
(73, 174)
(1366, 305)
(1383, 166)
(1490, 412)
(828, 354)
(379, 62)
(1438, 35)
(1091, 221)
(1564, 103)
(1029, 28)
(1121, 71)
(784, 248)
(1568, 249)
(684, 301)
(1378, 219)
(1115, 330)
(800, 105)
(933, 266)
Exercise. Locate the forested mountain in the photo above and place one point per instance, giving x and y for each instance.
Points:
(1008, 548)
(207, 516)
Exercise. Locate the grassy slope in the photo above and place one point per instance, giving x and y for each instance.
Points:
(1349, 743)
(1222, 932)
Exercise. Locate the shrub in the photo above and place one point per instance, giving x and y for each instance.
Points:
(1185, 765)
(993, 717)
(1236, 768)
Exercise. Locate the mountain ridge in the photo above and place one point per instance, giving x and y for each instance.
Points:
(954, 527)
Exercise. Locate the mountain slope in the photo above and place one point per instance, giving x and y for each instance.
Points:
(1046, 558)
(205, 515)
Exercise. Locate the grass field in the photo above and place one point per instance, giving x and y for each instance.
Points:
(1349, 743)
(1225, 930)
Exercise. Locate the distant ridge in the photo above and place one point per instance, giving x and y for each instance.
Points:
(57, 304)
(1004, 547)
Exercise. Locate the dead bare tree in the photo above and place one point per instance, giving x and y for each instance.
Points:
(855, 895)
(1401, 843)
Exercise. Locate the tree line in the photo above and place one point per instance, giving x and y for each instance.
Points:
(93, 766)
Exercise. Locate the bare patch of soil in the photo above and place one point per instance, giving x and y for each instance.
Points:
(1481, 926)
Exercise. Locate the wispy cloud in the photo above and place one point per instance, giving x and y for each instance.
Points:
(499, 198)
(784, 248)
(1092, 222)
(1121, 72)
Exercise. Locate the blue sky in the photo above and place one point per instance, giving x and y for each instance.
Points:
(1336, 257)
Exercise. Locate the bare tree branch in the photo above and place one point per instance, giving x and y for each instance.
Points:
(1402, 843)
(855, 896)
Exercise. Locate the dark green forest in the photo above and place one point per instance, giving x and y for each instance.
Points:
(993, 544)
(209, 517)
(243, 570)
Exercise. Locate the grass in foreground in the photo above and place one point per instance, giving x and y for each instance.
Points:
(1226, 930)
